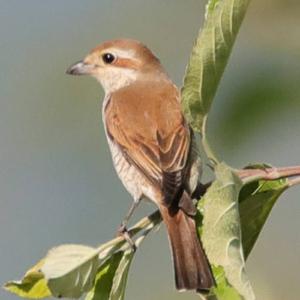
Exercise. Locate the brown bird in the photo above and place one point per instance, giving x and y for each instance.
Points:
(152, 146)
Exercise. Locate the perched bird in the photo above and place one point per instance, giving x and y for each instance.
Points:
(152, 146)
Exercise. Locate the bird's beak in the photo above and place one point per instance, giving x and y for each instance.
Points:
(81, 68)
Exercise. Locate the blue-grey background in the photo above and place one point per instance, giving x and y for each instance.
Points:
(57, 182)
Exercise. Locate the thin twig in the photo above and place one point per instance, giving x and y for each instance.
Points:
(294, 181)
(144, 225)
(249, 175)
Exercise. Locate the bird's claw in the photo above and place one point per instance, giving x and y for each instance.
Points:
(122, 231)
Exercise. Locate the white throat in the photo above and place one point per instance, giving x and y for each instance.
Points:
(114, 78)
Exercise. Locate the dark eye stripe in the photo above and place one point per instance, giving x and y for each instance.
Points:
(108, 58)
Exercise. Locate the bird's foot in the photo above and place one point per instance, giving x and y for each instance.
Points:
(122, 231)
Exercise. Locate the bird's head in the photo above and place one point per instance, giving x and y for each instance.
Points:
(118, 63)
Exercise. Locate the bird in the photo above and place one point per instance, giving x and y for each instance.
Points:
(152, 146)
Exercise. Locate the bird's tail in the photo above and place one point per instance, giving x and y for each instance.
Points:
(192, 270)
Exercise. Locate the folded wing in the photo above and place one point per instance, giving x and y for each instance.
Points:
(150, 130)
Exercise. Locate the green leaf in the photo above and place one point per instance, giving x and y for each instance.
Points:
(120, 279)
(110, 283)
(209, 57)
(256, 202)
(70, 270)
(32, 286)
(221, 229)
(104, 278)
(223, 290)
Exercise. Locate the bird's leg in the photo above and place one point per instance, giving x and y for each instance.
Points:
(129, 214)
(122, 230)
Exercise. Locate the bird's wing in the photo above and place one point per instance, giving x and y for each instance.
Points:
(152, 135)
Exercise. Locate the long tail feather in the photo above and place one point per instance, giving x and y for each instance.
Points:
(192, 270)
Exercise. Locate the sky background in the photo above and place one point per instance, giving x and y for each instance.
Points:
(57, 182)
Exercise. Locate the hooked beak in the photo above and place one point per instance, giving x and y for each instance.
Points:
(81, 68)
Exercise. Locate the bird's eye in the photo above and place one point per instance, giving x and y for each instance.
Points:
(108, 58)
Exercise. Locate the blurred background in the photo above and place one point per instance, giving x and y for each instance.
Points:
(57, 182)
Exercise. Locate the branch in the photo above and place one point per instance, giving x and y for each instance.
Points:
(249, 175)
(294, 181)
(246, 175)
(144, 225)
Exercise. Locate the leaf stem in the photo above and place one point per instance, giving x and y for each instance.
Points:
(208, 150)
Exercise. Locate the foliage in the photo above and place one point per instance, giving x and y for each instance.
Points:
(32, 286)
(209, 58)
(257, 199)
(231, 213)
(110, 281)
(221, 233)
